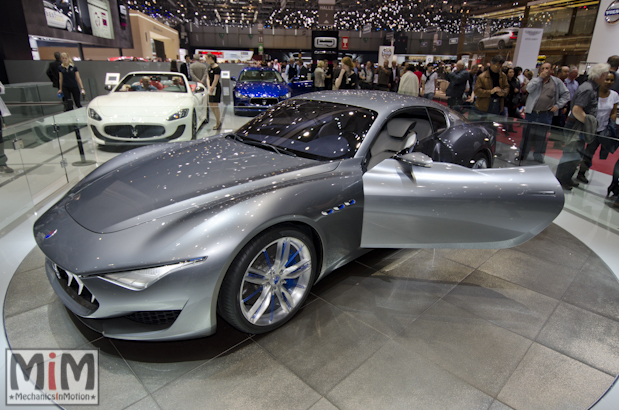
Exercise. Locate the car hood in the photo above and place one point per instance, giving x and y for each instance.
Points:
(182, 176)
(262, 89)
(139, 103)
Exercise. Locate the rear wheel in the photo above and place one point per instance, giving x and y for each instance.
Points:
(268, 281)
(480, 161)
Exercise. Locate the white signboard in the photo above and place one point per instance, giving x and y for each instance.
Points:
(385, 53)
(100, 18)
(429, 59)
(367, 28)
(225, 74)
(527, 47)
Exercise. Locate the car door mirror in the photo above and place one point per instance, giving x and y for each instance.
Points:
(233, 78)
(199, 89)
(415, 158)
(108, 87)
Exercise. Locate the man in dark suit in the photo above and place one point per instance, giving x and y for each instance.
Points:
(395, 76)
(53, 69)
(185, 67)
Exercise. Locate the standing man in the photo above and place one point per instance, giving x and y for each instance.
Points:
(457, 83)
(583, 122)
(53, 69)
(198, 70)
(395, 77)
(185, 67)
(571, 83)
(384, 76)
(547, 95)
(491, 87)
(428, 82)
(292, 70)
(368, 72)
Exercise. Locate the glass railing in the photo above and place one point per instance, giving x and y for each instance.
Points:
(53, 152)
(45, 155)
(584, 160)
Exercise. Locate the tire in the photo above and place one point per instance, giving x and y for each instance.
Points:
(194, 126)
(480, 46)
(501, 44)
(69, 26)
(479, 161)
(253, 280)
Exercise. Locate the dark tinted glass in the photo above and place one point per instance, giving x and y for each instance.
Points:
(311, 129)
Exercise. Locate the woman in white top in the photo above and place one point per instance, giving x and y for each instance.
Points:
(607, 112)
(4, 112)
(409, 83)
(319, 76)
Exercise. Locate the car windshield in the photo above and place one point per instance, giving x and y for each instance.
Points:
(311, 129)
(168, 83)
(261, 76)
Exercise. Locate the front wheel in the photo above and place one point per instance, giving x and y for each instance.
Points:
(194, 126)
(268, 281)
(501, 45)
(480, 161)
(480, 46)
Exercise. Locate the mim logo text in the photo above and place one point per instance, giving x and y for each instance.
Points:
(38, 376)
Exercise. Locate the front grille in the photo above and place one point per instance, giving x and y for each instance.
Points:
(160, 317)
(134, 131)
(75, 288)
(264, 101)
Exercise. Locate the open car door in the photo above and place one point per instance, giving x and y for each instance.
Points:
(411, 202)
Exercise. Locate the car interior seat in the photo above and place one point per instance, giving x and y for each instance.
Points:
(395, 136)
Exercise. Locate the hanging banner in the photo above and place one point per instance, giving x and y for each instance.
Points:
(324, 45)
(344, 43)
(326, 13)
(385, 53)
(527, 47)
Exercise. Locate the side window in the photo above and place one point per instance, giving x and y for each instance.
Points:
(439, 122)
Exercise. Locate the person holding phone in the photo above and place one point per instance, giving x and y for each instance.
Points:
(70, 83)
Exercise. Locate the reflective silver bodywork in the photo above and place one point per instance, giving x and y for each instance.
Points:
(201, 202)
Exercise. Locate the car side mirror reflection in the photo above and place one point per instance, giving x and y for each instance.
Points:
(416, 158)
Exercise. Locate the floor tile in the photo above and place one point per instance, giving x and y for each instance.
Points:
(430, 273)
(323, 404)
(553, 381)
(469, 257)
(583, 335)
(595, 288)
(322, 345)
(33, 283)
(555, 245)
(508, 305)
(34, 260)
(484, 356)
(245, 378)
(497, 405)
(147, 403)
(49, 326)
(398, 378)
(380, 258)
(118, 386)
(387, 304)
(531, 272)
(158, 363)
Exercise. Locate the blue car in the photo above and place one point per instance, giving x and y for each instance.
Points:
(257, 89)
(301, 85)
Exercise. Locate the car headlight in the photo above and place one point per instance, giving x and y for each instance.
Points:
(287, 95)
(143, 278)
(93, 114)
(238, 94)
(179, 114)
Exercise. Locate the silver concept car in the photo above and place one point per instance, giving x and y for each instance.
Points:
(152, 244)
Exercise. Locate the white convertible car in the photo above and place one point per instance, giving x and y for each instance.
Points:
(148, 107)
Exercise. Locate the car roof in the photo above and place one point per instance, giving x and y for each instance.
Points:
(379, 101)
